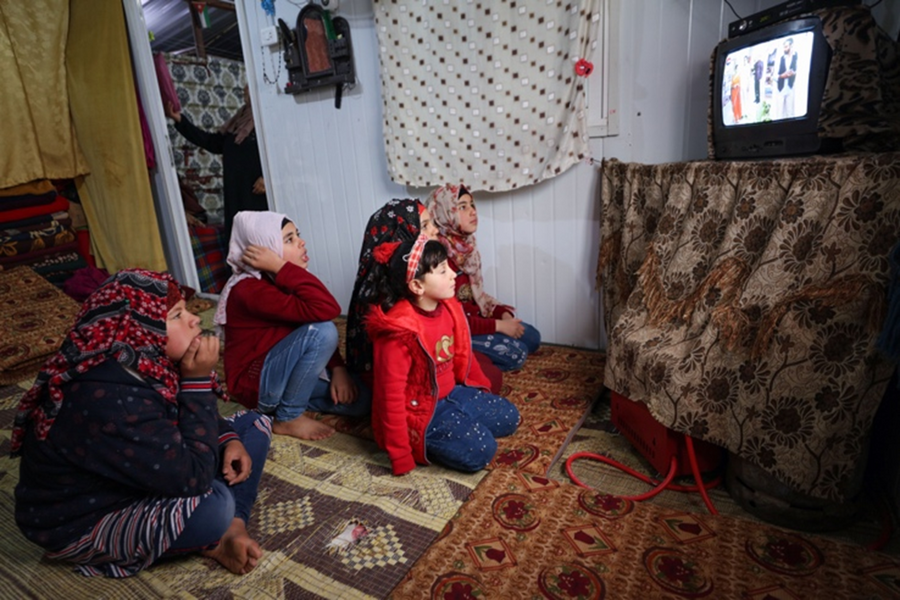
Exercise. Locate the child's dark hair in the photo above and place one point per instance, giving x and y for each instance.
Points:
(392, 286)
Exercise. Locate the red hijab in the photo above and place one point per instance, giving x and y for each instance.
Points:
(124, 320)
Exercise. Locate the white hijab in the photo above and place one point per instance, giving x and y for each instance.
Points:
(250, 228)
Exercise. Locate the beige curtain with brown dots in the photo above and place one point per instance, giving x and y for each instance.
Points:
(484, 92)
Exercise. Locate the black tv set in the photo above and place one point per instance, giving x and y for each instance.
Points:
(767, 93)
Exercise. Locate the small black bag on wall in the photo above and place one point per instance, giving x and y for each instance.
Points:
(318, 52)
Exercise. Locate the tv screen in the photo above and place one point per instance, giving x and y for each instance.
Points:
(767, 90)
(767, 81)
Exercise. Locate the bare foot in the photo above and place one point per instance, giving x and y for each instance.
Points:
(303, 427)
(237, 551)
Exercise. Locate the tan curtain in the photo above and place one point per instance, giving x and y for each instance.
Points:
(483, 92)
(38, 137)
(116, 195)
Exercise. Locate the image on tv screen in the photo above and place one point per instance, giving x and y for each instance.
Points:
(768, 81)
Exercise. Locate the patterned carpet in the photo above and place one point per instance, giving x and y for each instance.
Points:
(524, 537)
(312, 492)
(35, 319)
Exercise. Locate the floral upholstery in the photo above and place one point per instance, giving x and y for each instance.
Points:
(743, 300)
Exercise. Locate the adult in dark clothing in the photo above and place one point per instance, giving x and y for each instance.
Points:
(243, 185)
(124, 457)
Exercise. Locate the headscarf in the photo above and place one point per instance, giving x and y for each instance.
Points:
(461, 248)
(240, 124)
(123, 320)
(251, 228)
(396, 221)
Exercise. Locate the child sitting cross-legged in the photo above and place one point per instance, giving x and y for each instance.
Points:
(496, 332)
(430, 398)
(281, 346)
(124, 457)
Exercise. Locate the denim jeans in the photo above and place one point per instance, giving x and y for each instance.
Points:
(289, 384)
(506, 352)
(213, 516)
(466, 422)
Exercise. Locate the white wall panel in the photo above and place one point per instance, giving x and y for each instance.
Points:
(327, 169)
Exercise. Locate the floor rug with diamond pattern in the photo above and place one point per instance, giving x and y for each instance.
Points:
(315, 498)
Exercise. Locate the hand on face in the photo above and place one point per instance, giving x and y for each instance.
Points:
(262, 259)
(201, 357)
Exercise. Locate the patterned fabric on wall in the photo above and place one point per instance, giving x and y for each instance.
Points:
(210, 92)
(743, 301)
(483, 92)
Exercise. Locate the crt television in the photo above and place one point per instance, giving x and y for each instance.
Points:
(767, 91)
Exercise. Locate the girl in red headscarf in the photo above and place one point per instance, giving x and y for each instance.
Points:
(124, 457)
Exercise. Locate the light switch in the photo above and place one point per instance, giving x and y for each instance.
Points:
(269, 35)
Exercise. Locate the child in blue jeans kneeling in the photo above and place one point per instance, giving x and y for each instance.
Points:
(281, 353)
(430, 398)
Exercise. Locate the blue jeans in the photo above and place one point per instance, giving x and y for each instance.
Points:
(289, 384)
(464, 427)
(213, 516)
(506, 352)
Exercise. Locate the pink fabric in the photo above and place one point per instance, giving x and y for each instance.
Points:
(149, 152)
(84, 282)
(164, 77)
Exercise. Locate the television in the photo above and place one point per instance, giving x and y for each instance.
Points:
(767, 92)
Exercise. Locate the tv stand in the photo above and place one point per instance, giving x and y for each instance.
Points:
(742, 300)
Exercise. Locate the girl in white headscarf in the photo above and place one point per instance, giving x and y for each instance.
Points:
(281, 353)
(496, 331)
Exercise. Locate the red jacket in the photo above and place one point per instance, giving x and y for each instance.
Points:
(260, 314)
(404, 396)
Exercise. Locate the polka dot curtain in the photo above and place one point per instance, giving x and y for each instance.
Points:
(484, 92)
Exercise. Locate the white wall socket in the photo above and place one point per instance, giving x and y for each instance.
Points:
(268, 35)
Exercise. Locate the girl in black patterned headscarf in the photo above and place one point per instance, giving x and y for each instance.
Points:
(398, 220)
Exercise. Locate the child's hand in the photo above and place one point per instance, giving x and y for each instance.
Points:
(236, 463)
(263, 259)
(511, 327)
(343, 389)
(201, 356)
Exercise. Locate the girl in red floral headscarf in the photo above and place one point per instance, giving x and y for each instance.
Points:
(496, 331)
(125, 458)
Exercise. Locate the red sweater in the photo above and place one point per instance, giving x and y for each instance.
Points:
(405, 395)
(478, 324)
(260, 314)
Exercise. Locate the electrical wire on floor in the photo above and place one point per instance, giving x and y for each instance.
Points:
(665, 484)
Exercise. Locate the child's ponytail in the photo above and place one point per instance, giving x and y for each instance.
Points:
(392, 262)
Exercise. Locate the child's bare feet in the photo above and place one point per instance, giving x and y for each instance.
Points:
(303, 427)
(237, 551)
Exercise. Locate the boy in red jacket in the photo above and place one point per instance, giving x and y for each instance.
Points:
(430, 397)
(281, 353)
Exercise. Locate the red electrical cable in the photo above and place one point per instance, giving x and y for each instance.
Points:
(660, 486)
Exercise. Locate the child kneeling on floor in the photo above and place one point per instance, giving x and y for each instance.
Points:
(281, 346)
(125, 458)
(430, 397)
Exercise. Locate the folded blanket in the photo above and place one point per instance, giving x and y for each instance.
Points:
(18, 214)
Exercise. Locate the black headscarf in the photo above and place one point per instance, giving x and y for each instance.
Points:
(396, 221)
